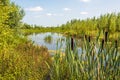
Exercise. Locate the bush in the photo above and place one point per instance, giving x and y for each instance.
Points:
(25, 62)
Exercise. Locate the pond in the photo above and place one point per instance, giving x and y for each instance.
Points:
(53, 41)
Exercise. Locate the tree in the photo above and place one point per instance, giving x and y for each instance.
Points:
(118, 22)
(7, 35)
(112, 22)
(15, 16)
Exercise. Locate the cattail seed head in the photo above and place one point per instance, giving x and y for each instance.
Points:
(103, 43)
(116, 43)
(72, 43)
(85, 37)
(106, 36)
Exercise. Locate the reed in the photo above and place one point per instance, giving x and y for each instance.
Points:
(48, 39)
(101, 63)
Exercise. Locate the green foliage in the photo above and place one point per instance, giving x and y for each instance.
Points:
(104, 22)
(21, 60)
(26, 62)
(90, 26)
(8, 37)
(48, 39)
(101, 63)
(10, 14)
(118, 22)
(15, 16)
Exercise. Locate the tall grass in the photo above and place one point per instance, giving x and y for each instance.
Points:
(99, 60)
(26, 62)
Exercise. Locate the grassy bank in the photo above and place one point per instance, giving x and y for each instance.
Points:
(37, 31)
(26, 61)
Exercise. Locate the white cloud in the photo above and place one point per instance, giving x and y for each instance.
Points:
(84, 13)
(53, 14)
(85, 0)
(34, 9)
(50, 14)
(67, 9)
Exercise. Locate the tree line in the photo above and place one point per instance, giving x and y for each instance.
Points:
(109, 22)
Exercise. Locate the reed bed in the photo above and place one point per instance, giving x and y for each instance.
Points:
(98, 60)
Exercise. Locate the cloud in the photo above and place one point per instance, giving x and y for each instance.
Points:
(53, 14)
(50, 14)
(84, 13)
(34, 9)
(85, 0)
(67, 9)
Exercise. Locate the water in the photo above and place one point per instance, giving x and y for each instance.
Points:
(53, 41)
(57, 40)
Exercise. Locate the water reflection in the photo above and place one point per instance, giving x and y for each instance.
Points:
(48, 39)
(52, 41)
(55, 41)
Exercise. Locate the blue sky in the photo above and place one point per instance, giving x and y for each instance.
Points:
(57, 12)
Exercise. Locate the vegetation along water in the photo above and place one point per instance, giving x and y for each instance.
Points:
(86, 49)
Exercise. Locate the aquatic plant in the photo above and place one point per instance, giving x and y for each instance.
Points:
(101, 63)
(48, 39)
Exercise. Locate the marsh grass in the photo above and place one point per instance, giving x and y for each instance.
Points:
(48, 39)
(101, 63)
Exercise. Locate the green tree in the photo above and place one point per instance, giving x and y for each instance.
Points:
(7, 35)
(15, 16)
(118, 22)
(112, 22)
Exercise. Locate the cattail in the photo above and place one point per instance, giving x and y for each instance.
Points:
(89, 39)
(85, 37)
(116, 43)
(102, 43)
(72, 43)
(106, 36)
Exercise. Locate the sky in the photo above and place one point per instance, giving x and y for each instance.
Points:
(57, 12)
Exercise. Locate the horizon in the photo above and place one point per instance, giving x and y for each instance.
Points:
(58, 12)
